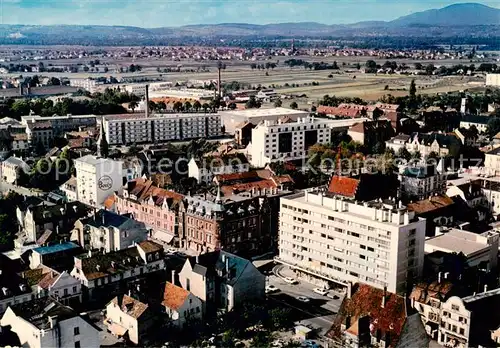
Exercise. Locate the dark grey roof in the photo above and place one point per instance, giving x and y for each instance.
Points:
(105, 218)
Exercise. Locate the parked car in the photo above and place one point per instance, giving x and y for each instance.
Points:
(320, 291)
(290, 280)
(271, 288)
(303, 299)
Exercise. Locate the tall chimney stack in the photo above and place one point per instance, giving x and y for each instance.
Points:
(146, 101)
(219, 68)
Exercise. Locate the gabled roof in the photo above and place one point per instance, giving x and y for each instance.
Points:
(366, 301)
(130, 306)
(343, 186)
(430, 204)
(149, 246)
(174, 296)
(143, 189)
(215, 263)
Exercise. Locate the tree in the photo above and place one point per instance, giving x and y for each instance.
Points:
(371, 66)
(412, 100)
(197, 105)
(280, 318)
(133, 105)
(403, 153)
(205, 107)
(379, 147)
(377, 113)
(278, 103)
(232, 106)
(187, 106)
(252, 103)
(416, 155)
(493, 126)
(294, 105)
(177, 106)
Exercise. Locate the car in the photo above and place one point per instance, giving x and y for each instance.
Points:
(320, 291)
(290, 280)
(310, 344)
(271, 288)
(303, 299)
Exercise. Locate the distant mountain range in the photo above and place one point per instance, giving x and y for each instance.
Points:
(459, 20)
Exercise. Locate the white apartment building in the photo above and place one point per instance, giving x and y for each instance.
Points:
(86, 84)
(276, 141)
(47, 323)
(97, 178)
(492, 161)
(10, 169)
(327, 239)
(137, 128)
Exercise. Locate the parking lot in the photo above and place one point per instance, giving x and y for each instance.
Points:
(318, 313)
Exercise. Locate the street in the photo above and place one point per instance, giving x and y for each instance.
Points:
(6, 187)
(318, 313)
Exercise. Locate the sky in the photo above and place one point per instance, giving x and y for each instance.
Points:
(172, 13)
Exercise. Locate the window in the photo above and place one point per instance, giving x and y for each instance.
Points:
(76, 330)
(77, 344)
(462, 331)
(65, 292)
(455, 307)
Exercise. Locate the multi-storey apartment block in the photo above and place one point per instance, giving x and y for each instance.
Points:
(277, 141)
(329, 238)
(138, 128)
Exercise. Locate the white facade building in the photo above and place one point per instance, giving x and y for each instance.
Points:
(329, 239)
(232, 118)
(493, 80)
(86, 84)
(136, 128)
(97, 178)
(276, 141)
(206, 169)
(47, 323)
(11, 167)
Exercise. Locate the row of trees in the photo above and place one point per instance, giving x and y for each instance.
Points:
(311, 66)
(108, 102)
(266, 66)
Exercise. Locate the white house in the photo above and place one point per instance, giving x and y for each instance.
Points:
(204, 170)
(109, 231)
(11, 167)
(47, 323)
(125, 314)
(181, 306)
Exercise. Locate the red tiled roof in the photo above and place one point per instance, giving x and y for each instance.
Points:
(344, 110)
(221, 178)
(367, 301)
(343, 186)
(174, 296)
(143, 189)
(358, 128)
(48, 280)
(76, 143)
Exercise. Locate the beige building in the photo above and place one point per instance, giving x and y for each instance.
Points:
(330, 239)
(492, 161)
(493, 80)
(126, 315)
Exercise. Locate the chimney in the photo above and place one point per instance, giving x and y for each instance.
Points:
(384, 297)
(129, 293)
(485, 287)
(21, 89)
(146, 101)
(173, 277)
(439, 277)
(227, 265)
(197, 259)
